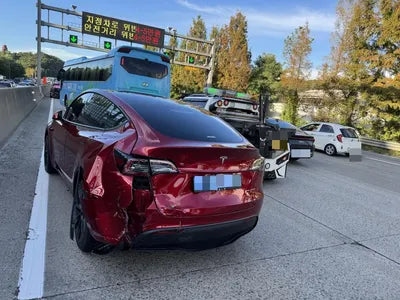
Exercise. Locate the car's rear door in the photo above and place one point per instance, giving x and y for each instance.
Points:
(326, 135)
(91, 119)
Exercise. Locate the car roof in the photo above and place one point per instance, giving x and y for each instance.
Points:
(331, 124)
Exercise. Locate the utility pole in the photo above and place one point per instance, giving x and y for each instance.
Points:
(39, 40)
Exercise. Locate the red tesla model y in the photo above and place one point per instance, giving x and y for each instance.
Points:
(149, 172)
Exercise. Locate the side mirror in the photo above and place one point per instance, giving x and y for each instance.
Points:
(58, 116)
(60, 75)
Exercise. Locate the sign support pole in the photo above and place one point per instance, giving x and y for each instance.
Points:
(39, 40)
(212, 66)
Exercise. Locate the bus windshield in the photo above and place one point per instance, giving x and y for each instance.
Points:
(125, 68)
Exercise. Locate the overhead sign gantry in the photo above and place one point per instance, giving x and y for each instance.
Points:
(81, 31)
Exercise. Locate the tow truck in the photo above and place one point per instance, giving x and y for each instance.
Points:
(247, 116)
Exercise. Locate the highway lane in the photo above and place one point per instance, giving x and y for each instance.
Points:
(331, 229)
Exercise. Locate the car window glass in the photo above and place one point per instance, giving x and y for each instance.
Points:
(182, 121)
(74, 111)
(311, 127)
(326, 128)
(280, 123)
(349, 133)
(97, 111)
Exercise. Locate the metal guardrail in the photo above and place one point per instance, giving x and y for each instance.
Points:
(381, 144)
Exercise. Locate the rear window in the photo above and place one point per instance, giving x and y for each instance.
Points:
(144, 67)
(349, 133)
(199, 102)
(175, 119)
(280, 123)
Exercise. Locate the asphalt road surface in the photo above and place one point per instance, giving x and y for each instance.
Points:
(330, 230)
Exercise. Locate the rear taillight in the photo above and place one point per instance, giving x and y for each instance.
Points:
(130, 165)
(226, 102)
(255, 106)
(219, 102)
(258, 164)
(340, 138)
(282, 159)
(162, 167)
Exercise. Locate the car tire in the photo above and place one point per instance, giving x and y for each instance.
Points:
(330, 150)
(81, 232)
(48, 165)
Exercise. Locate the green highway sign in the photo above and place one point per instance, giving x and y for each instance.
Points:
(73, 39)
(191, 60)
(107, 45)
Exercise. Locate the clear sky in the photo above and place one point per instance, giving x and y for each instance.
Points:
(269, 21)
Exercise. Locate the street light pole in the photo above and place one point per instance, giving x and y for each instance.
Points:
(39, 40)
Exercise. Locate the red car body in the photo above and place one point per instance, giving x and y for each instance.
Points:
(149, 209)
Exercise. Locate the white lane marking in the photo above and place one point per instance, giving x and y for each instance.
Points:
(31, 278)
(384, 161)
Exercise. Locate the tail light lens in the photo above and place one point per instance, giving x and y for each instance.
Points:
(258, 164)
(255, 106)
(162, 167)
(226, 102)
(219, 102)
(282, 159)
(340, 138)
(130, 165)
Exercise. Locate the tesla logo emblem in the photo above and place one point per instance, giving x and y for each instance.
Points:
(223, 158)
(145, 84)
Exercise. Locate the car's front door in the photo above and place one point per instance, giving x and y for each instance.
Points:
(57, 134)
(76, 133)
(312, 129)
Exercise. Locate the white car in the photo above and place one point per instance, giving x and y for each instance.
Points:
(333, 138)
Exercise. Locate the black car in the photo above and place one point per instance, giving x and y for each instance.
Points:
(301, 143)
(55, 91)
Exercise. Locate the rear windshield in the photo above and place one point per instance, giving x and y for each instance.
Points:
(199, 102)
(144, 67)
(349, 133)
(175, 119)
(280, 123)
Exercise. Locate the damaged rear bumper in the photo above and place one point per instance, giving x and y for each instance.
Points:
(197, 237)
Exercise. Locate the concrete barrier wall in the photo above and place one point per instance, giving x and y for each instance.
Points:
(15, 105)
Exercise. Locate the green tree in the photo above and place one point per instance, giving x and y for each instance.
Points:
(233, 59)
(297, 48)
(9, 67)
(50, 64)
(265, 76)
(363, 86)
